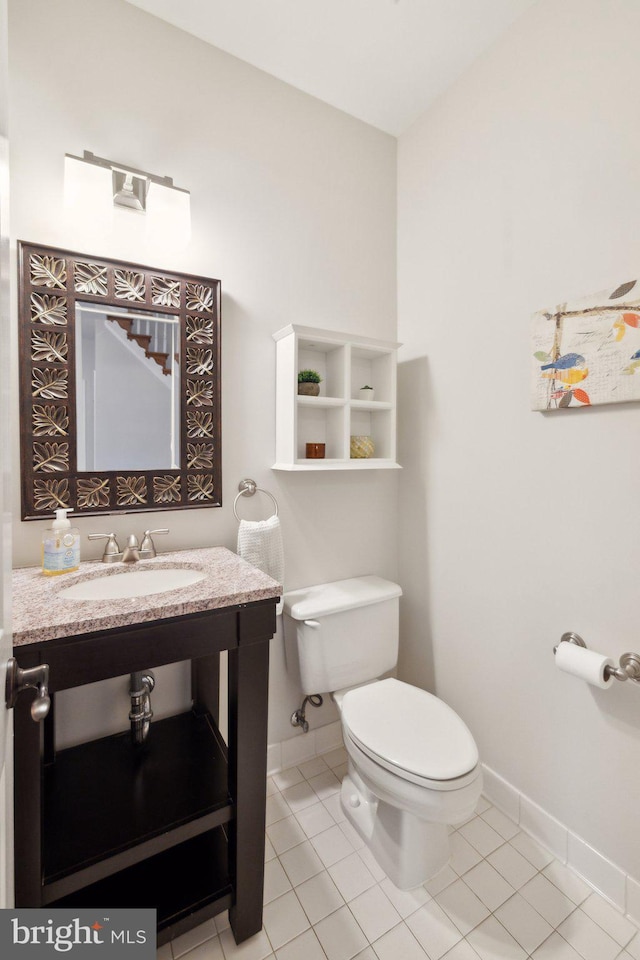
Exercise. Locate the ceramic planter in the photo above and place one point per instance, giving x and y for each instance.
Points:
(307, 389)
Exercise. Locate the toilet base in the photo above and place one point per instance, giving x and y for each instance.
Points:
(408, 849)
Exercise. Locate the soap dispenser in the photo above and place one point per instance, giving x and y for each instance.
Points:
(60, 546)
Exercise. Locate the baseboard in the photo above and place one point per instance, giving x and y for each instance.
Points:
(303, 746)
(609, 880)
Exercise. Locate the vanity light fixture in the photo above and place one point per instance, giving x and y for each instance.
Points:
(130, 187)
(97, 188)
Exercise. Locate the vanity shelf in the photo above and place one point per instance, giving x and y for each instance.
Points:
(176, 823)
(106, 800)
(345, 364)
(205, 887)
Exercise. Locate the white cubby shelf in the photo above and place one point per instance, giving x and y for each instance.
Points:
(346, 363)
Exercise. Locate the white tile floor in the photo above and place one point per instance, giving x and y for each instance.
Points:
(503, 897)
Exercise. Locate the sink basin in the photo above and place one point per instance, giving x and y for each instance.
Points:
(142, 583)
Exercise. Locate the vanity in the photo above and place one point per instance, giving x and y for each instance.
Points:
(176, 822)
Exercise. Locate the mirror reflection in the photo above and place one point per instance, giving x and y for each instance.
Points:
(127, 389)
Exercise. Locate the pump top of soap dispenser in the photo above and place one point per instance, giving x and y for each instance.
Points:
(61, 521)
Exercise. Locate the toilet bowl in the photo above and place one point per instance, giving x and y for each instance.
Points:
(413, 765)
(413, 772)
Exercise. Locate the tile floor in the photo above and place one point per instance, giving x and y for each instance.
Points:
(503, 897)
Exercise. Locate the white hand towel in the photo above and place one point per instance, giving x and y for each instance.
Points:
(260, 543)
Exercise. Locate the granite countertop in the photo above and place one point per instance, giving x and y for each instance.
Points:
(39, 614)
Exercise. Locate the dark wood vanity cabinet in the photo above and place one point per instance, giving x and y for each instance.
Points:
(177, 823)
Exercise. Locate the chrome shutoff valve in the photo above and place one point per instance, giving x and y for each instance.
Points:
(298, 718)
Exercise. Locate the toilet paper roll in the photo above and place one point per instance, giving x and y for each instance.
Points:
(585, 664)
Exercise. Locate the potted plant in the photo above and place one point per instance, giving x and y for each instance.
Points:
(309, 383)
(367, 393)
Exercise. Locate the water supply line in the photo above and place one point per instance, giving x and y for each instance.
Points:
(298, 718)
(141, 713)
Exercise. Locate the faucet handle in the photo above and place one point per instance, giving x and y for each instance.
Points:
(148, 546)
(111, 550)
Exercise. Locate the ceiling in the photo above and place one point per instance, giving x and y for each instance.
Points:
(383, 61)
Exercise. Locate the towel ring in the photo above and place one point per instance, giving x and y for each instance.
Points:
(247, 488)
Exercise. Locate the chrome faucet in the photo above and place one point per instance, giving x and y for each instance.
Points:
(133, 550)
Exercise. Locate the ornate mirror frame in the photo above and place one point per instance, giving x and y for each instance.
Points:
(51, 282)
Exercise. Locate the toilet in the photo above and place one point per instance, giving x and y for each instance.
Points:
(413, 764)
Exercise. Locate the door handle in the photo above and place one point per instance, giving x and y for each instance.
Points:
(19, 680)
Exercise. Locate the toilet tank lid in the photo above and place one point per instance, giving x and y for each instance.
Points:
(327, 598)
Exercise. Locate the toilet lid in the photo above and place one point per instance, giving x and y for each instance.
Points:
(409, 728)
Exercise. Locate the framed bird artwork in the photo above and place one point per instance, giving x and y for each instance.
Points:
(587, 351)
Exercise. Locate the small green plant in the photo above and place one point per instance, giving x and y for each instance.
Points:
(309, 376)
(366, 387)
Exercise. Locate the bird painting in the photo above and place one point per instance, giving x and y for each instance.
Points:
(568, 369)
(587, 351)
(565, 362)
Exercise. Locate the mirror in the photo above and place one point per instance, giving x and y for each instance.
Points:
(120, 386)
(136, 427)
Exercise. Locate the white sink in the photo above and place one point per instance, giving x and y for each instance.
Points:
(133, 583)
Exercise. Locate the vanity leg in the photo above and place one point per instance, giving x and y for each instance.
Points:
(205, 685)
(28, 750)
(248, 701)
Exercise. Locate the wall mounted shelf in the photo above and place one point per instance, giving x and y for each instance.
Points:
(345, 363)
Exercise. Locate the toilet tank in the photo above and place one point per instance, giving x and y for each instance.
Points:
(346, 631)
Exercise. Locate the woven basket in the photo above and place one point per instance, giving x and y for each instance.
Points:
(362, 448)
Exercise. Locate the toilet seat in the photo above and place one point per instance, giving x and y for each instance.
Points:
(387, 721)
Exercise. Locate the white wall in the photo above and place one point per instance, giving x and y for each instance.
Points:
(293, 208)
(520, 189)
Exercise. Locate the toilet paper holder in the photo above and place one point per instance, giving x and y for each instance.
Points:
(629, 668)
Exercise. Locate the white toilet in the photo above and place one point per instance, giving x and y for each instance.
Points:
(413, 764)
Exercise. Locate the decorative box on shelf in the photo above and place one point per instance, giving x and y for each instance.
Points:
(346, 364)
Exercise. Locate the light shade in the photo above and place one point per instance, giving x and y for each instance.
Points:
(101, 195)
(87, 189)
